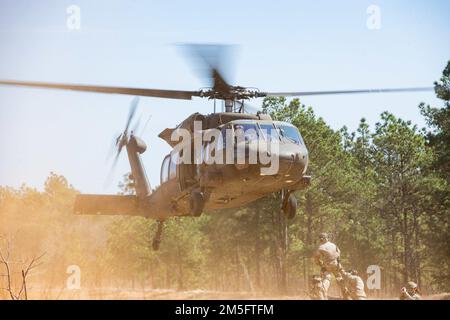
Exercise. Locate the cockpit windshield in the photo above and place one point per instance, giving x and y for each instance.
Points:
(290, 133)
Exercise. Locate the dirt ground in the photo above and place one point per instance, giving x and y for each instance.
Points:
(153, 294)
(165, 294)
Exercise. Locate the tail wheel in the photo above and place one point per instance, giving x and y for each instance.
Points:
(197, 203)
(290, 209)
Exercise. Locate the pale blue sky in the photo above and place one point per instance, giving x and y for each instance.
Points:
(284, 46)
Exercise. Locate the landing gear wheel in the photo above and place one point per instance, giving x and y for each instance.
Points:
(290, 208)
(197, 203)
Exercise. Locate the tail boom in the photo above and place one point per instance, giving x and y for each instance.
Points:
(95, 204)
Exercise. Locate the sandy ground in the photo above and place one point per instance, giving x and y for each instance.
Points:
(154, 294)
(163, 294)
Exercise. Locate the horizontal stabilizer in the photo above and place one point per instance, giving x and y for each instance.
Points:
(107, 205)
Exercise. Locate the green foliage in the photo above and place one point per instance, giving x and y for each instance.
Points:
(442, 87)
(382, 193)
(438, 120)
(438, 185)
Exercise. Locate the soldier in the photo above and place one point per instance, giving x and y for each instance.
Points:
(411, 292)
(327, 256)
(319, 287)
(354, 285)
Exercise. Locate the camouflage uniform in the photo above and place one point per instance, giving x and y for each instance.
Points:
(354, 286)
(410, 292)
(327, 257)
(320, 287)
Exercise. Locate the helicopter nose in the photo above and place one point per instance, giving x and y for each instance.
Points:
(302, 160)
(297, 156)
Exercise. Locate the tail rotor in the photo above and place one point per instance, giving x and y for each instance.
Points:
(123, 138)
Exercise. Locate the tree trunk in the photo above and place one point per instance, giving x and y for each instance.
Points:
(282, 251)
(309, 242)
(180, 269)
(406, 247)
(258, 248)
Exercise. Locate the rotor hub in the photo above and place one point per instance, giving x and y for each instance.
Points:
(233, 93)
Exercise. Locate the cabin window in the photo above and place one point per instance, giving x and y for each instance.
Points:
(173, 166)
(228, 129)
(291, 134)
(220, 143)
(269, 132)
(165, 169)
(250, 131)
(206, 152)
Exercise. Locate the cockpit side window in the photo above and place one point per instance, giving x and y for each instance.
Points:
(269, 132)
(227, 136)
(165, 169)
(249, 130)
(173, 166)
(290, 133)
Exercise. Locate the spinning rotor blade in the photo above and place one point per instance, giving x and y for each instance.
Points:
(132, 112)
(136, 126)
(122, 140)
(157, 93)
(112, 148)
(141, 132)
(213, 62)
(110, 176)
(321, 93)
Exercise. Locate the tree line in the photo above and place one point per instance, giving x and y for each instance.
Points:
(382, 192)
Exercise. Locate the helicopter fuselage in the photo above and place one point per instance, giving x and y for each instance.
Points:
(249, 157)
(228, 185)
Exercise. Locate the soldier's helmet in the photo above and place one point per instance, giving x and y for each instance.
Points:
(412, 285)
(323, 236)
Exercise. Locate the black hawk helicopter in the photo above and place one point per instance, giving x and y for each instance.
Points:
(188, 189)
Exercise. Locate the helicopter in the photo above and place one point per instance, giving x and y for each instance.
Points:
(197, 184)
